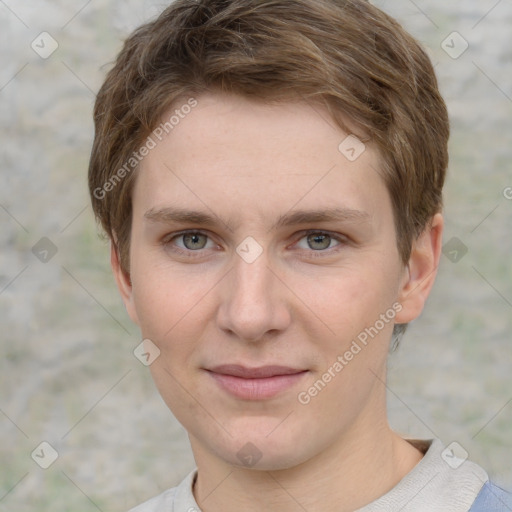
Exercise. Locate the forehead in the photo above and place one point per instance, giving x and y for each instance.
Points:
(231, 153)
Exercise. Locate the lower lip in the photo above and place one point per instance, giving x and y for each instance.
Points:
(256, 389)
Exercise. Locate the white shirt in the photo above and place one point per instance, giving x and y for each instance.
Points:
(440, 482)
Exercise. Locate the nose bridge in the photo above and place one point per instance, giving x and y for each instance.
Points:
(251, 302)
(253, 280)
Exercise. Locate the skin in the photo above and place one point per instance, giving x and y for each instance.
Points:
(247, 164)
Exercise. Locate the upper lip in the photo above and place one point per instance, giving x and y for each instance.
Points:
(254, 373)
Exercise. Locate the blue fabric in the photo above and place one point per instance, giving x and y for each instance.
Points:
(492, 499)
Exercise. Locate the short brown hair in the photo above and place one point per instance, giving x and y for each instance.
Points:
(346, 55)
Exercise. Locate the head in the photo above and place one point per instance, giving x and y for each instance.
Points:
(303, 147)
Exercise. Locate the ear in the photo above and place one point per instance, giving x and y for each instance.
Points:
(123, 281)
(421, 271)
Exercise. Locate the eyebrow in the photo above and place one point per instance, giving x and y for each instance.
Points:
(170, 215)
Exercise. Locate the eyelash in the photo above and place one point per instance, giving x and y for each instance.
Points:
(342, 240)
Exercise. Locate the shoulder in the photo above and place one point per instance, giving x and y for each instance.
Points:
(180, 498)
(160, 503)
(492, 499)
(441, 481)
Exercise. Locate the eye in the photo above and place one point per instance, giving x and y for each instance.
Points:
(194, 241)
(190, 241)
(318, 241)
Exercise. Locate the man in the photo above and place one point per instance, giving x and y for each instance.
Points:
(270, 174)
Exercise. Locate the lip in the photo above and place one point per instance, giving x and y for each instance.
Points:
(255, 383)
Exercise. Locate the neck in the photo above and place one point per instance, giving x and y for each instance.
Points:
(355, 471)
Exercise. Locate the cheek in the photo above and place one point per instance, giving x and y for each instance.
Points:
(357, 351)
(155, 304)
(166, 300)
(350, 299)
(171, 311)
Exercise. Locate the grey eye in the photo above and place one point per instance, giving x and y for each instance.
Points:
(319, 241)
(194, 241)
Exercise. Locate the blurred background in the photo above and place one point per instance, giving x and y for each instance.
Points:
(68, 375)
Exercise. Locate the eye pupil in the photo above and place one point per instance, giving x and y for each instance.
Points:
(317, 242)
(194, 241)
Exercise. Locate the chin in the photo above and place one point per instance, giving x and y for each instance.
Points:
(257, 449)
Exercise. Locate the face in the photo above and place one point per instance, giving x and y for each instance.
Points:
(264, 267)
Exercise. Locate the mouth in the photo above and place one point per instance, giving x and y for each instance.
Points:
(255, 383)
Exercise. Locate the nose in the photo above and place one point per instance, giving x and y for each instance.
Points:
(253, 301)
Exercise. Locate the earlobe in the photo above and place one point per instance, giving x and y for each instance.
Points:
(123, 281)
(421, 271)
